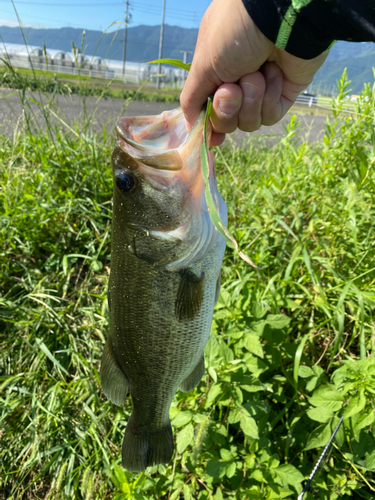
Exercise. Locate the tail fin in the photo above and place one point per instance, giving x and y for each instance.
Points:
(142, 448)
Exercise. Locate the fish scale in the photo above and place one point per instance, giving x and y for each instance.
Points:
(163, 284)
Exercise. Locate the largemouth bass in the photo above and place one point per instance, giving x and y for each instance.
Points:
(165, 277)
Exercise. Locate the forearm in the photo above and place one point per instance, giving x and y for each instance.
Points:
(306, 28)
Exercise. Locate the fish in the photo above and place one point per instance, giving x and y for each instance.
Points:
(165, 273)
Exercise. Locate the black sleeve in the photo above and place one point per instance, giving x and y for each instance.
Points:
(306, 28)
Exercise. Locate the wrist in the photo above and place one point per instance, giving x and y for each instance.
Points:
(289, 28)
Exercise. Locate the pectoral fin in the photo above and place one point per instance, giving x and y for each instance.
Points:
(190, 295)
(114, 383)
(194, 378)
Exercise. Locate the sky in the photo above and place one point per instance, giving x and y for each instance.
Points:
(98, 15)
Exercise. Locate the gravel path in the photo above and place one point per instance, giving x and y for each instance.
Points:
(73, 110)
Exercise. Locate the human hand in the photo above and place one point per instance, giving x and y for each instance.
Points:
(253, 82)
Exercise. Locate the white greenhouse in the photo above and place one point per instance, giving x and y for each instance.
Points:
(59, 61)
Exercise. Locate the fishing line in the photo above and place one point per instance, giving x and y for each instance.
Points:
(320, 460)
(322, 456)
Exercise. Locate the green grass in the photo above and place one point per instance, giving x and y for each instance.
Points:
(38, 73)
(42, 81)
(291, 342)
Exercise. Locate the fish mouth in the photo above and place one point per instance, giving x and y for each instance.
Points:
(159, 141)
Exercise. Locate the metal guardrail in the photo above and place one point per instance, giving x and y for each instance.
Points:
(323, 102)
(305, 99)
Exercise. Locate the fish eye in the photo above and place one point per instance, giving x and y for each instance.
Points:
(125, 181)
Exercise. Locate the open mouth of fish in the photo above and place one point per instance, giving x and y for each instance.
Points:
(168, 158)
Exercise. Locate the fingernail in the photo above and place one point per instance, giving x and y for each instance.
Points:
(229, 106)
(250, 91)
(270, 74)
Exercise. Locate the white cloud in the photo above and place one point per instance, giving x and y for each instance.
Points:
(12, 24)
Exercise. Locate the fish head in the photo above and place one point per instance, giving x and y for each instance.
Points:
(159, 203)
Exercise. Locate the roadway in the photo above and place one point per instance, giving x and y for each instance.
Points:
(77, 111)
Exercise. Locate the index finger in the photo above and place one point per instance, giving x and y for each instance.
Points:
(198, 87)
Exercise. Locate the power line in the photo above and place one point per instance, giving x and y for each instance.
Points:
(79, 26)
(106, 4)
(152, 10)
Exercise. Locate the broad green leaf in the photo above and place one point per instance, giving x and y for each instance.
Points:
(235, 333)
(274, 461)
(255, 365)
(258, 310)
(96, 265)
(121, 496)
(225, 352)
(312, 384)
(257, 328)
(253, 344)
(249, 426)
(319, 437)
(183, 418)
(325, 396)
(320, 414)
(289, 474)
(212, 373)
(234, 415)
(365, 420)
(230, 470)
(184, 438)
(119, 478)
(370, 460)
(211, 351)
(305, 371)
(176, 494)
(216, 468)
(226, 455)
(276, 492)
(237, 395)
(356, 404)
(252, 384)
(173, 62)
(213, 393)
(253, 493)
(257, 408)
(258, 475)
(277, 321)
(218, 495)
(173, 412)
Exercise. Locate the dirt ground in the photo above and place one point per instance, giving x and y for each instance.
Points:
(72, 110)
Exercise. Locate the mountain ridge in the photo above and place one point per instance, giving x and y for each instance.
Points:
(143, 46)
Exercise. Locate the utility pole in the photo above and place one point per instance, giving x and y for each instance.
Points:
(184, 60)
(127, 19)
(161, 45)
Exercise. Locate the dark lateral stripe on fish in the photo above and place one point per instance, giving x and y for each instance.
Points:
(190, 295)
